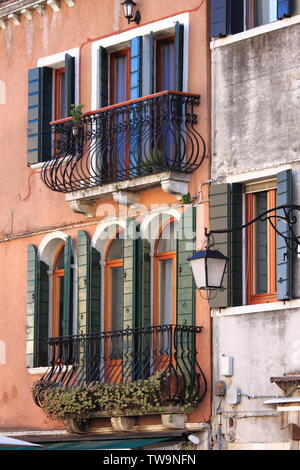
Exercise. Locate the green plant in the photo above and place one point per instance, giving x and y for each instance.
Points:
(156, 160)
(76, 113)
(186, 199)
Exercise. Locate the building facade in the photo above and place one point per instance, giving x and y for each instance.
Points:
(255, 168)
(99, 211)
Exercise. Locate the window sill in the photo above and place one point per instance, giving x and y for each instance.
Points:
(257, 308)
(265, 28)
(125, 192)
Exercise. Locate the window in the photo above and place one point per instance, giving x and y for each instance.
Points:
(120, 76)
(60, 111)
(235, 16)
(165, 277)
(165, 64)
(261, 248)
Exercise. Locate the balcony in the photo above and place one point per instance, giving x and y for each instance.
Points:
(163, 356)
(127, 142)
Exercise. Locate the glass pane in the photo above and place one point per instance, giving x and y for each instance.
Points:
(116, 249)
(120, 84)
(166, 292)
(62, 96)
(261, 245)
(60, 304)
(60, 260)
(116, 309)
(167, 240)
(168, 66)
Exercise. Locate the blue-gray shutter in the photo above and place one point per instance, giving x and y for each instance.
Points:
(179, 31)
(284, 254)
(185, 286)
(39, 114)
(226, 17)
(67, 319)
(69, 82)
(152, 63)
(130, 276)
(236, 248)
(103, 77)
(284, 8)
(142, 280)
(37, 310)
(136, 49)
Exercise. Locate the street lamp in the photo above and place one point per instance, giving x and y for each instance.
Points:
(130, 14)
(209, 265)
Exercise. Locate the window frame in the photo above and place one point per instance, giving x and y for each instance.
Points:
(57, 274)
(271, 294)
(159, 42)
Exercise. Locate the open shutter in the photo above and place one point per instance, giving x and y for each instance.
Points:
(39, 114)
(70, 82)
(226, 17)
(284, 9)
(284, 254)
(31, 304)
(143, 278)
(179, 30)
(152, 63)
(129, 267)
(220, 220)
(68, 290)
(185, 281)
(37, 310)
(136, 47)
(103, 77)
(89, 285)
(236, 245)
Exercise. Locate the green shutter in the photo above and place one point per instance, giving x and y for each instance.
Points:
(103, 77)
(37, 309)
(70, 82)
(129, 267)
(82, 281)
(68, 290)
(31, 304)
(220, 220)
(179, 30)
(236, 245)
(39, 114)
(94, 291)
(143, 283)
(284, 254)
(185, 281)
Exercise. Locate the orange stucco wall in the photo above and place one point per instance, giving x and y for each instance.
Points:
(29, 209)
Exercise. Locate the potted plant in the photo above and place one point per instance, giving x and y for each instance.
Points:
(77, 115)
(155, 161)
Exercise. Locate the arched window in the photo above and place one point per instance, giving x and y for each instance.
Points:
(165, 276)
(61, 313)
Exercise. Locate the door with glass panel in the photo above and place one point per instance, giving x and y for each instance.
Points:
(165, 293)
(114, 311)
(119, 93)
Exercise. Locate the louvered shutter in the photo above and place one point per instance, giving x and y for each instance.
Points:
(236, 245)
(39, 114)
(136, 48)
(37, 310)
(220, 220)
(185, 285)
(284, 254)
(68, 290)
(226, 17)
(129, 268)
(103, 77)
(152, 63)
(179, 31)
(70, 82)
(143, 279)
(284, 8)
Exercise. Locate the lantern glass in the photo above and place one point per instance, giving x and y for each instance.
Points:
(208, 269)
(129, 8)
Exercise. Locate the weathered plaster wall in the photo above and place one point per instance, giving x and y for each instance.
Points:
(256, 102)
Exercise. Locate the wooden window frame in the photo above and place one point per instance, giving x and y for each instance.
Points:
(109, 264)
(157, 258)
(159, 61)
(112, 68)
(57, 274)
(57, 93)
(271, 295)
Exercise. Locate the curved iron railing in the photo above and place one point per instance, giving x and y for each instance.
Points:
(136, 138)
(124, 356)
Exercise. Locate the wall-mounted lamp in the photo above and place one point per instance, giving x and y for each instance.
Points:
(130, 13)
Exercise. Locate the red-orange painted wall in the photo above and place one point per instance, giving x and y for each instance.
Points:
(28, 208)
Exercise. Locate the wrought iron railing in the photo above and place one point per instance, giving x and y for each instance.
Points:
(124, 356)
(136, 138)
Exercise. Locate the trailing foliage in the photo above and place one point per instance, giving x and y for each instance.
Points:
(117, 399)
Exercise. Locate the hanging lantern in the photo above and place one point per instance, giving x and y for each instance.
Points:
(208, 267)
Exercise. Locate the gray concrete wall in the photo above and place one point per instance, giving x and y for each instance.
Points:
(263, 345)
(256, 102)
